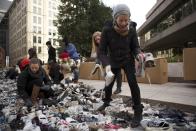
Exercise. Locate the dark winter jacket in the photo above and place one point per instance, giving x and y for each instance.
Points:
(12, 73)
(55, 73)
(115, 49)
(52, 54)
(26, 77)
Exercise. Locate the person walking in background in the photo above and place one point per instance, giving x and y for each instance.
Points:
(73, 54)
(51, 52)
(118, 49)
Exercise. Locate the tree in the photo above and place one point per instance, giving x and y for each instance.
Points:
(78, 19)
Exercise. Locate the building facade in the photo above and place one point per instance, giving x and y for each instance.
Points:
(169, 27)
(4, 34)
(31, 25)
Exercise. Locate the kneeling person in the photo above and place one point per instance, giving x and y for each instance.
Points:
(54, 72)
(34, 83)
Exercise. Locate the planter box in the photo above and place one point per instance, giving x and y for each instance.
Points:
(189, 55)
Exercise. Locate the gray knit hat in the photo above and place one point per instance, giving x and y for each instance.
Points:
(121, 9)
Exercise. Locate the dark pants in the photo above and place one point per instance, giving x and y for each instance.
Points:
(119, 79)
(130, 73)
(76, 74)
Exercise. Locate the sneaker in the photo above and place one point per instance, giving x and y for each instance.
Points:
(102, 108)
(117, 91)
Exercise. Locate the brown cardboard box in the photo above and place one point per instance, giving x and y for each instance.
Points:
(189, 55)
(85, 70)
(157, 74)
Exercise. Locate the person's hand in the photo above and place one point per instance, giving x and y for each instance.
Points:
(45, 87)
(109, 75)
(28, 102)
(140, 57)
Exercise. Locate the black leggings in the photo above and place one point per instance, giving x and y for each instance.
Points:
(129, 69)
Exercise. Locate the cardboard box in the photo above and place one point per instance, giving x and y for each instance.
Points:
(85, 70)
(157, 74)
(189, 55)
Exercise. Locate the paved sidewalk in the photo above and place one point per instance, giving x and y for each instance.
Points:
(175, 93)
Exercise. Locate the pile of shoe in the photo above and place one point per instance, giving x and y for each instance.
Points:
(74, 107)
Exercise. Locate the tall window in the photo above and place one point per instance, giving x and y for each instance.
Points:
(39, 40)
(50, 13)
(39, 11)
(50, 23)
(49, 32)
(39, 30)
(39, 20)
(39, 2)
(34, 9)
(35, 1)
(34, 29)
(35, 19)
(34, 39)
(39, 50)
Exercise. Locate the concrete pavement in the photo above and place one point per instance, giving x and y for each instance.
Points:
(182, 95)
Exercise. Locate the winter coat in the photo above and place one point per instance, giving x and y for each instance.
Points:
(71, 49)
(12, 73)
(55, 73)
(52, 54)
(26, 77)
(116, 50)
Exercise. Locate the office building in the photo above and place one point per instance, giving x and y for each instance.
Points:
(31, 25)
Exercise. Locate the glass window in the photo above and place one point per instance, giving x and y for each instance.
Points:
(39, 11)
(54, 32)
(34, 19)
(39, 30)
(35, 1)
(39, 40)
(54, 42)
(50, 5)
(50, 23)
(34, 39)
(39, 50)
(49, 32)
(50, 13)
(39, 2)
(34, 9)
(34, 29)
(39, 20)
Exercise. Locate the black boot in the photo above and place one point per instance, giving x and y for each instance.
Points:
(138, 109)
(117, 91)
(102, 108)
